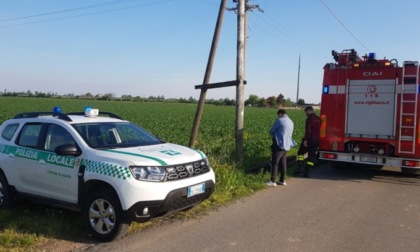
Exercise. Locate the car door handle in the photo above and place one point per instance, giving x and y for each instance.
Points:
(42, 162)
(11, 155)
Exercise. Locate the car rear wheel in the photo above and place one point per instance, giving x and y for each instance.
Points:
(104, 217)
(6, 200)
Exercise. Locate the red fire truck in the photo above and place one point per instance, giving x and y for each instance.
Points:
(369, 112)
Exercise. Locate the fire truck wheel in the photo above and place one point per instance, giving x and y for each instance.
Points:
(410, 171)
(340, 165)
(374, 167)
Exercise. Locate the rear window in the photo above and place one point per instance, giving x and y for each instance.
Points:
(9, 131)
(29, 135)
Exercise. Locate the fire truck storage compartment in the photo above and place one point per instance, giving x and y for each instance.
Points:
(371, 109)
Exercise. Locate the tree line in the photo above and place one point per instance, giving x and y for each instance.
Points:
(272, 101)
(253, 100)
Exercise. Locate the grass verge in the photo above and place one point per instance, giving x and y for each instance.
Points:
(30, 224)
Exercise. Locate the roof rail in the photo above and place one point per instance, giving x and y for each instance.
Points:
(112, 115)
(38, 114)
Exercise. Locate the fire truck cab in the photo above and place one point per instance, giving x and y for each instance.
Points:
(369, 112)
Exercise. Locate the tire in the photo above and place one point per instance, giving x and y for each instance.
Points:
(410, 171)
(188, 208)
(340, 165)
(373, 167)
(104, 217)
(6, 199)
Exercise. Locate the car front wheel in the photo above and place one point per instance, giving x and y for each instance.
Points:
(104, 217)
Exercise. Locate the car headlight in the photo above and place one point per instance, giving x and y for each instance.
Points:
(148, 173)
(206, 160)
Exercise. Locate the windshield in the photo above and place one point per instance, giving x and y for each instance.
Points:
(115, 135)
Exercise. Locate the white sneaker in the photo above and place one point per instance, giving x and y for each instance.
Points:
(271, 183)
(281, 183)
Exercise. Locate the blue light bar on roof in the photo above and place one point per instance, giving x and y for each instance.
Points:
(91, 112)
(57, 109)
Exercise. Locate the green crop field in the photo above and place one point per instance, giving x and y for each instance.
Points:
(173, 122)
(170, 121)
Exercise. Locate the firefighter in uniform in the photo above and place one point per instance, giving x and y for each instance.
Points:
(309, 143)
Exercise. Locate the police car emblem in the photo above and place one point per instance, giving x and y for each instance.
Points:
(190, 169)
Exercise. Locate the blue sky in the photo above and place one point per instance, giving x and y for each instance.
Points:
(158, 47)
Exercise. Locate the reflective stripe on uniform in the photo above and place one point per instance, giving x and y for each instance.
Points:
(310, 163)
(300, 157)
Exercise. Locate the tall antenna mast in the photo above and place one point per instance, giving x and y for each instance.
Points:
(297, 94)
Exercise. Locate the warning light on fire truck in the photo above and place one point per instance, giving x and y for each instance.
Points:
(329, 155)
(411, 163)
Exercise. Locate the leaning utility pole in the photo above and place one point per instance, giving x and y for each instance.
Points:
(240, 10)
(240, 71)
(207, 75)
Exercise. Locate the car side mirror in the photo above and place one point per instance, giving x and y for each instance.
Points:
(68, 150)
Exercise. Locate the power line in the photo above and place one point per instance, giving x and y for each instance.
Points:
(87, 14)
(67, 10)
(265, 4)
(274, 35)
(289, 34)
(342, 24)
(209, 3)
(281, 38)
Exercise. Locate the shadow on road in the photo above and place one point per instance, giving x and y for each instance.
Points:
(357, 174)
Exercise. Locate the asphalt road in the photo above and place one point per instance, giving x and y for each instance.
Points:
(335, 210)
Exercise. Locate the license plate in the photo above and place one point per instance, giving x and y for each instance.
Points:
(369, 159)
(196, 189)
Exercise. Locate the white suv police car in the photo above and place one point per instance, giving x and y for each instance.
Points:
(111, 170)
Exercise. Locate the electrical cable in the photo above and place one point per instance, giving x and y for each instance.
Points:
(87, 14)
(296, 40)
(67, 10)
(342, 24)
